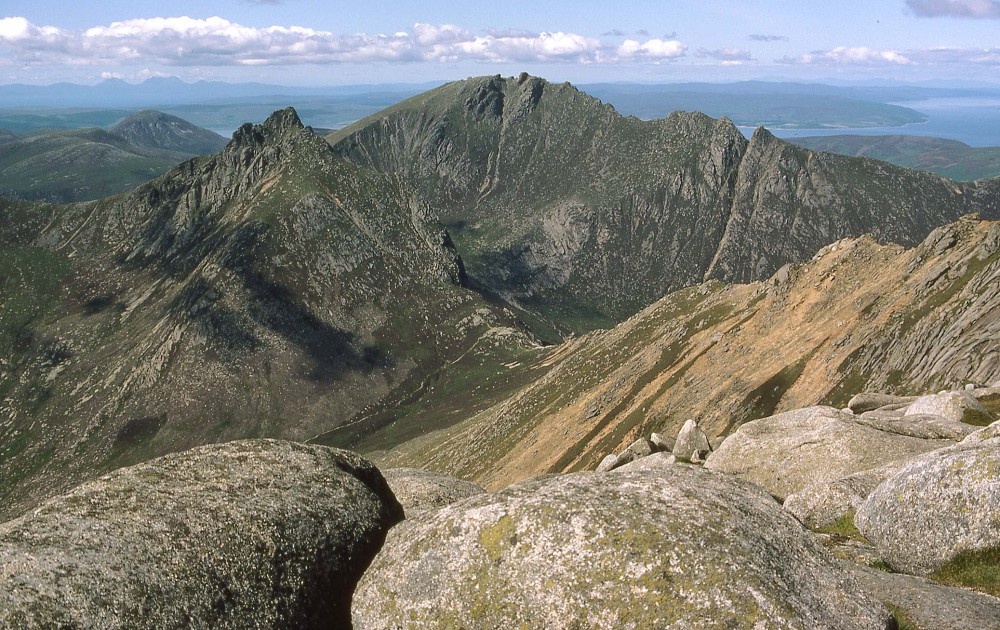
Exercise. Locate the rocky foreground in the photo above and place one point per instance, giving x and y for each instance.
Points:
(672, 532)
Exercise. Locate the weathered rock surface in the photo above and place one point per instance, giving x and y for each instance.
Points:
(656, 461)
(869, 401)
(955, 406)
(420, 490)
(635, 549)
(920, 425)
(929, 605)
(609, 462)
(937, 506)
(986, 433)
(692, 443)
(825, 502)
(257, 533)
(662, 442)
(635, 451)
(792, 450)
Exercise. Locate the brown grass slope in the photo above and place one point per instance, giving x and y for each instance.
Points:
(858, 316)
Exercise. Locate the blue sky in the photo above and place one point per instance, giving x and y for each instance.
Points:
(308, 42)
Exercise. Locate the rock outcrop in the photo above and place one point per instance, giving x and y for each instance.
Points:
(256, 533)
(636, 549)
(787, 452)
(937, 506)
(692, 443)
(825, 502)
(958, 407)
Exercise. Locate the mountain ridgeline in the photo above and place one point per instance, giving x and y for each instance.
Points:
(580, 217)
(271, 290)
(305, 289)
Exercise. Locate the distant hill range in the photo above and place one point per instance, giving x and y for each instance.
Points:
(392, 281)
(950, 158)
(85, 164)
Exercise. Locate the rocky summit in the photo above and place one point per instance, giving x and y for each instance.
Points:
(245, 534)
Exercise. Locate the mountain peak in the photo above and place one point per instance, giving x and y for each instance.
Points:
(150, 129)
(283, 120)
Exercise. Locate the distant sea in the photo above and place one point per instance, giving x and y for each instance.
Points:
(974, 121)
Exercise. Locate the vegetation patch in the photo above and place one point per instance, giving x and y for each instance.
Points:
(843, 528)
(978, 570)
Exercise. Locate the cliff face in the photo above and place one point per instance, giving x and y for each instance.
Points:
(582, 217)
(272, 290)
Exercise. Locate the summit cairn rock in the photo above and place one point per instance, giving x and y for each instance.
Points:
(254, 533)
(634, 549)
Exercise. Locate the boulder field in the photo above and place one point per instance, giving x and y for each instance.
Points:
(266, 533)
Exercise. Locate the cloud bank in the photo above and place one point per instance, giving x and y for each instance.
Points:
(184, 41)
(863, 56)
(977, 9)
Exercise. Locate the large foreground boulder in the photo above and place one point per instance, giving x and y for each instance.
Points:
(936, 507)
(789, 451)
(652, 548)
(257, 533)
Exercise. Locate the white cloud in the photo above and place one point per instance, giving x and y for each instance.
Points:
(651, 49)
(215, 41)
(861, 56)
(977, 9)
(843, 55)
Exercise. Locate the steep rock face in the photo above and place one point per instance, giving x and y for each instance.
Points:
(582, 217)
(272, 290)
(937, 506)
(637, 549)
(254, 533)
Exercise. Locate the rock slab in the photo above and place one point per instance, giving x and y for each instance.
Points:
(633, 549)
(254, 533)
(786, 452)
(937, 506)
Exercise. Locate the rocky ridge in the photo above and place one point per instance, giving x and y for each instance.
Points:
(581, 217)
(271, 290)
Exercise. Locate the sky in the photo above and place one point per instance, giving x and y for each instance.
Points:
(325, 42)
